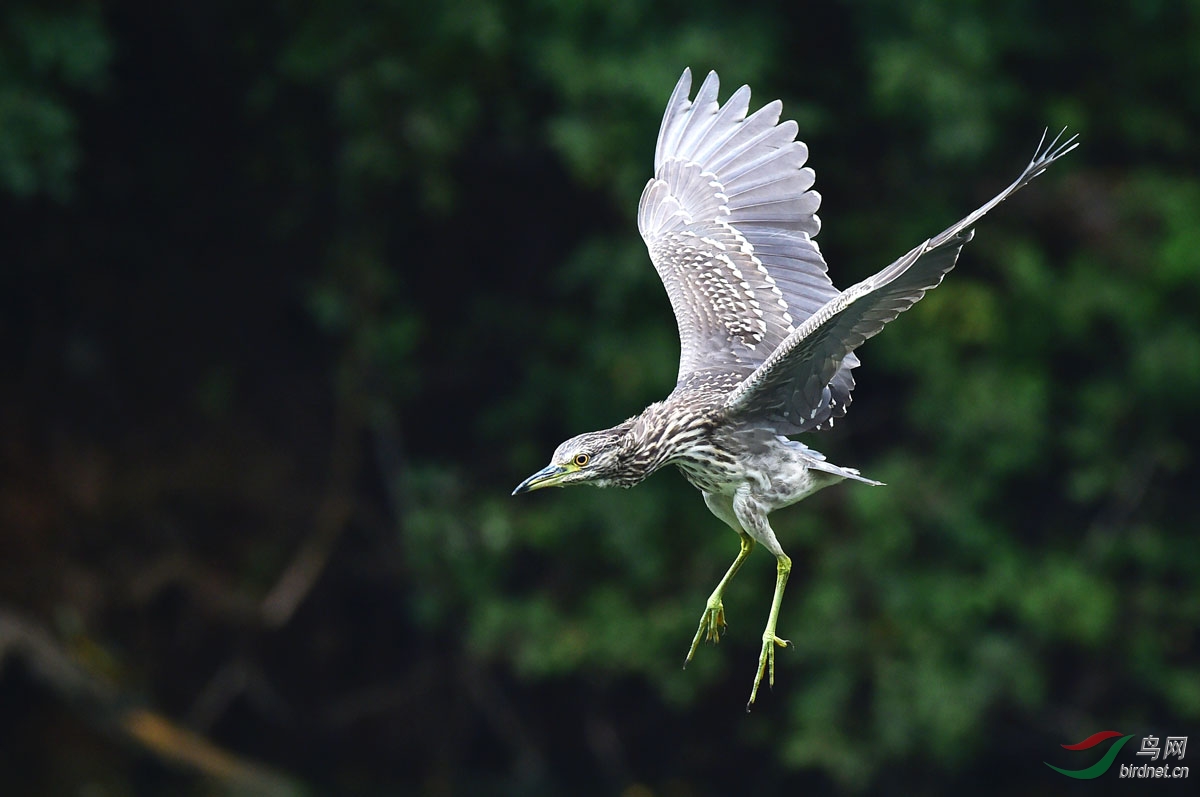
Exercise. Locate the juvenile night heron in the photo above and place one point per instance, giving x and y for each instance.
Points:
(767, 342)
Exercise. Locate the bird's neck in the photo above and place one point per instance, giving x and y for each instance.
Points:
(657, 437)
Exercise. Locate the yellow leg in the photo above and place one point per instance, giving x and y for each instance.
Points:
(713, 619)
(766, 659)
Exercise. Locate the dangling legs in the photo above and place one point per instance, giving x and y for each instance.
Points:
(766, 659)
(751, 513)
(713, 619)
(746, 514)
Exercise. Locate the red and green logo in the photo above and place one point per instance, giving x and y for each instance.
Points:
(1100, 767)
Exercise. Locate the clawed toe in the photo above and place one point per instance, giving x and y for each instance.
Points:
(712, 622)
(766, 664)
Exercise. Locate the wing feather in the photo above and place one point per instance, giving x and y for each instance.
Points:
(790, 389)
(729, 220)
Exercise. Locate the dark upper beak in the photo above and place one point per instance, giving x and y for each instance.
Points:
(548, 476)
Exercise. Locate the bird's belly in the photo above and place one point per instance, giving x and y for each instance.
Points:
(788, 482)
(777, 472)
(785, 472)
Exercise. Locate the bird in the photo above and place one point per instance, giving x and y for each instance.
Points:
(767, 343)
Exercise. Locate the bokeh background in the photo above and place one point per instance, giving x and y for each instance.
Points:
(292, 294)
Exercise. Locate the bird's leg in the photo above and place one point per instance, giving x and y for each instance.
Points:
(713, 619)
(766, 659)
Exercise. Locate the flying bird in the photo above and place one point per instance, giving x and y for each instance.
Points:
(767, 343)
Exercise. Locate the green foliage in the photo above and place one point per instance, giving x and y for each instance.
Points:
(48, 58)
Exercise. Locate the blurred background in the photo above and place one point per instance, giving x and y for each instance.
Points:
(292, 295)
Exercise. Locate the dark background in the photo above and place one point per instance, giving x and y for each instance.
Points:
(292, 294)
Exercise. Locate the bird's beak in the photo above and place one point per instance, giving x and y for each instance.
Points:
(548, 476)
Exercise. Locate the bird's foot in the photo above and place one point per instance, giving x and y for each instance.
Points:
(766, 664)
(711, 624)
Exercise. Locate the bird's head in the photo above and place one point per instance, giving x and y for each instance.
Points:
(595, 458)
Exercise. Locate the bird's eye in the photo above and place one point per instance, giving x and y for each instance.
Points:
(581, 460)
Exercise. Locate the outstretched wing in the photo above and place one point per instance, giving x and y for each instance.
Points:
(787, 389)
(729, 220)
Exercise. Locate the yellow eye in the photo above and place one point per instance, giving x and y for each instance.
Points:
(581, 460)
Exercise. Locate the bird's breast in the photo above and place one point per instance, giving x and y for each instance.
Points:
(711, 467)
